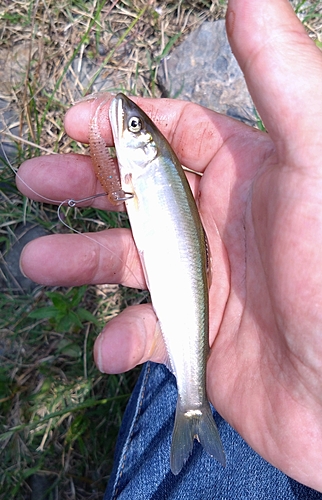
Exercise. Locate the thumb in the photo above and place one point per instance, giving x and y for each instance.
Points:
(129, 339)
(283, 70)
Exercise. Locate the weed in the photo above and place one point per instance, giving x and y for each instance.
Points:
(65, 313)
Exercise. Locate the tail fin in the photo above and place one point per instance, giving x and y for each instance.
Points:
(194, 424)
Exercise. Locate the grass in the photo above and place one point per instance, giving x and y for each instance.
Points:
(59, 416)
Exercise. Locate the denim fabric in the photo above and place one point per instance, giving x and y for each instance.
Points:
(142, 459)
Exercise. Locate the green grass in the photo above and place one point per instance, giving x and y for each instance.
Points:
(59, 416)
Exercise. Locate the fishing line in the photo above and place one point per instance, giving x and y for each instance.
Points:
(72, 203)
(15, 172)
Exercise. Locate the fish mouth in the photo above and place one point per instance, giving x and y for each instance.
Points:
(116, 115)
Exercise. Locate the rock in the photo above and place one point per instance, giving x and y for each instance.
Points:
(85, 69)
(8, 117)
(13, 63)
(41, 486)
(204, 70)
(11, 277)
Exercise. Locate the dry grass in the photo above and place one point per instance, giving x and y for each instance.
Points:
(51, 394)
(50, 391)
(74, 47)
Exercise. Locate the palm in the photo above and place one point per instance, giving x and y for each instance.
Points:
(265, 372)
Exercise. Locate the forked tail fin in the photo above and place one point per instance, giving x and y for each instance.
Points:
(194, 424)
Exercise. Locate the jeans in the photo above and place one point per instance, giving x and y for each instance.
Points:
(142, 458)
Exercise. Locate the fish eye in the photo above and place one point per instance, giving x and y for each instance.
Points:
(134, 124)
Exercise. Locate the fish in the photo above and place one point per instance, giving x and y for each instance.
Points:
(171, 243)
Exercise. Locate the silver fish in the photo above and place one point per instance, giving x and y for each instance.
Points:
(170, 239)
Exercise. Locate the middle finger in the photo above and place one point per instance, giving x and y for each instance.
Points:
(109, 256)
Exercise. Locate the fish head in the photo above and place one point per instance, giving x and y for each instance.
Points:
(134, 135)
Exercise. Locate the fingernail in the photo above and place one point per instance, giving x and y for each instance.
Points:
(98, 352)
(20, 263)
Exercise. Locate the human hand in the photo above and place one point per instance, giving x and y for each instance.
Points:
(261, 205)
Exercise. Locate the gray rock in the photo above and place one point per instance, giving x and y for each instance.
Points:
(8, 116)
(11, 277)
(204, 70)
(13, 63)
(41, 487)
(85, 69)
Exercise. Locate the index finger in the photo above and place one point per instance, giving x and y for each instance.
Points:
(195, 133)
